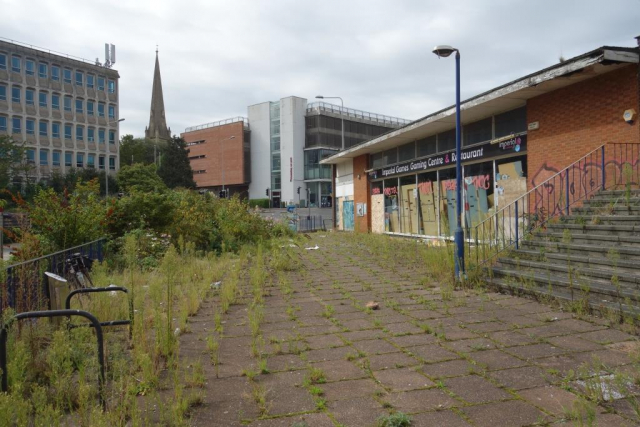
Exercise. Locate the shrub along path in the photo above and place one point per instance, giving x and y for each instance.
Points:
(309, 352)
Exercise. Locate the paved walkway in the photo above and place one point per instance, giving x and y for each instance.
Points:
(446, 358)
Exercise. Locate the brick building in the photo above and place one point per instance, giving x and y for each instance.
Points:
(513, 137)
(219, 154)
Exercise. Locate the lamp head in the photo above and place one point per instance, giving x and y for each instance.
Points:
(444, 50)
(319, 97)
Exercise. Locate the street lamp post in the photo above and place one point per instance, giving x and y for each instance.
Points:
(222, 159)
(106, 162)
(458, 236)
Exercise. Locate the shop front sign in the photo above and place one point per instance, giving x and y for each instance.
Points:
(515, 144)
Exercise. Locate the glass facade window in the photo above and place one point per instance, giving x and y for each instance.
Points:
(112, 163)
(390, 156)
(90, 108)
(91, 161)
(427, 146)
(112, 137)
(66, 75)
(112, 86)
(3, 61)
(55, 102)
(29, 96)
(3, 92)
(44, 157)
(67, 131)
(3, 124)
(55, 160)
(79, 160)
(43, 99)
(43, 71)
(16, 64)
(79, 133)
(31, 155)
(67, 103)
(477, 132)
(16, 125)
(30, 126)
(101, 162)
(312, 167)
(100, 83)
(30, 67)
(100, 109)
(44, 128)
(91, 134)
(90, 81)
(79, 106)
(55, 130)
(100, 136)
(68, 159)
(511, 122)
(112, 112)
(55, 73)
(15, 94)
(79, 78)
(376, 161)
(447, 140)
(407, 152)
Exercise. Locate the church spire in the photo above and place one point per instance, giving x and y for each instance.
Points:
(157, 129)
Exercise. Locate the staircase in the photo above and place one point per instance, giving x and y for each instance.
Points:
(590, 258)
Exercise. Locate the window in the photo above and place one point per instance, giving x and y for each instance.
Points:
(90, 105)
(67, 103)
(66, 74)
(477, 132)
(406, 152)
(42, 70)
(30, 67)
(67, 131)
(427, 146)
(55, 101)
(55, 73)
(31, 155)
(31, 127)
(200, 171)
(43, 99)
(112, 163)
(16, 64)
(79, 133)
(112, 112)
(79, 107)
(3, 61)
(514, 121)
(55, 130)
(55, 161)
(44, 127)
(100, 136)
(3, 93)
(91, 161)
(90, 81)
(79, 78)
(101, 162)
(112, 137)
(44, 157)
(112, 86)
(91, 134)
(100, 83)
(390, 156)
(68, 159)
(79, 159)
(16, 125)
(3, 124)
(15, 94)
(100, 109)
(30, 96)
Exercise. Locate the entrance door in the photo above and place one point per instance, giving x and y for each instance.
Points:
(347, 215)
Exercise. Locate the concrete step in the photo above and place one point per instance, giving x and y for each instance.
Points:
(618, 230)
(602, 219)
(589, 238)
(599, 262)
(588, 211)
(634, 200)
(624, 252)
(595, 303)
(627, 279)
(615, 194)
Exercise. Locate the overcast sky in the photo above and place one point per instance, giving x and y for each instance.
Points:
(217, 57)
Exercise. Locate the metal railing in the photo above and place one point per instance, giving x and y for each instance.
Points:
(23, 286)
(609, 166)
(244, 120)
(357, 114)
(310, 223)
(50, 51)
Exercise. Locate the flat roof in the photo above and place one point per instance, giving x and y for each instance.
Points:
(500, 99)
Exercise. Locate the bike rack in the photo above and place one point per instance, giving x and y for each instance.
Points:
(67, 305)
(54, 313)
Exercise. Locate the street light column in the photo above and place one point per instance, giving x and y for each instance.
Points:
(458, 234)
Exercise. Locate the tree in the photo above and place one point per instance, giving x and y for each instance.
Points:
(12, 160)
(137, 150)
(140, 177)
(175, 169)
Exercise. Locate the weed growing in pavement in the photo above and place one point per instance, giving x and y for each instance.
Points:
(398, 419)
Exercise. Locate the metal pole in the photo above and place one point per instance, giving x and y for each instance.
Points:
(342, 120)
(458, 234)
(222, 167)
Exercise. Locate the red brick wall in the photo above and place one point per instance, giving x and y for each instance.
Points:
(232, 159)
(577, 119)
(361, 192)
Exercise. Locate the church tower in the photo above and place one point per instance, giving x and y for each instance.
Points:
(157, 129)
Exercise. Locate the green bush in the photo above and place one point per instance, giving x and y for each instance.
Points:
(261, 203)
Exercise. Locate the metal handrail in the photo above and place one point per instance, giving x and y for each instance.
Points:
(219, 123)
(350, 112)
(73, 248)
(50, 51)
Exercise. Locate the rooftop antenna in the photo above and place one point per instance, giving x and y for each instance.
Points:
(109, 55)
